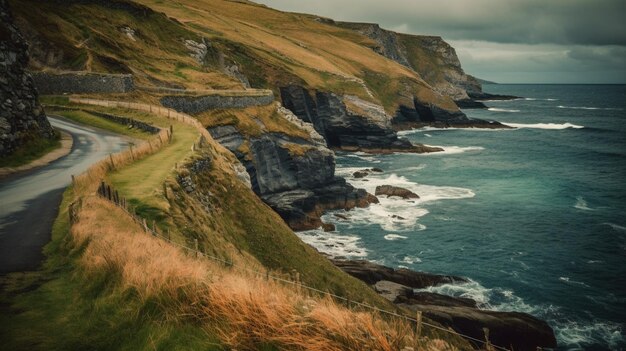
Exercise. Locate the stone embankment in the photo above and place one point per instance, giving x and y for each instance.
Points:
(82, 83)
(222, 100)
(22, 119)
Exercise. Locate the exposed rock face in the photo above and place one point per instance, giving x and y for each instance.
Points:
(520, 331)
(22, 119)
(300, 187)
(371, 273)
(391, 190)
(347, 122)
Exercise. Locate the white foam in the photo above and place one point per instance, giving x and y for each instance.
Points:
(533, 99)
(492, 299)
(432, 129)
(428, 135)
(452, 150)
(544, 125)
(393, 237)
(590, 108)
(581, 204)
(333, 244)
(617, 228)
(576, 335)
(572, 282)
(495, 109)
(395, 214)
(411, 259)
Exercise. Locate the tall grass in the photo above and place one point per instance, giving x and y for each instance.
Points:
(87, 182)
(246, 312)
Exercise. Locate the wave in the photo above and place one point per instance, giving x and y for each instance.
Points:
(495, 109)
(544, 125)
(534, 99)
(452, 150)
(581, 204)
(411, 259)
(591, 108)
(433, 129)
(616, 227)
(393, 237)
(578, 335)
(333, 244)
(572, 282)
(395, 214)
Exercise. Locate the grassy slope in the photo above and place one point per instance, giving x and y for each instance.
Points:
(273, 48)
(30, 151)
(67, 306)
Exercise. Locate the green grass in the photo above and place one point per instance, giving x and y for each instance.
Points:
(31, 151)
(85, 117)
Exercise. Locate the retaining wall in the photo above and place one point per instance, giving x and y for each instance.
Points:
(114, 118)
(82, 83)
(197, 104)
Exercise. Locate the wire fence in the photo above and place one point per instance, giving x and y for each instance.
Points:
(107, 192)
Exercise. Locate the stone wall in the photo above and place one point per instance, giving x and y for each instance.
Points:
(197, 104)
(22, 119)
(82, 83)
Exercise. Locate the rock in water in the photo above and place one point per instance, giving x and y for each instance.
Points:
(391, 190)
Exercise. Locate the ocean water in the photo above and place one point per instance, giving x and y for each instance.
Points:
(534, 216)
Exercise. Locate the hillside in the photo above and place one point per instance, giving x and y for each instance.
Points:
(267, 96)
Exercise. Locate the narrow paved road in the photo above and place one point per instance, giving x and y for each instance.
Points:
(29, 201)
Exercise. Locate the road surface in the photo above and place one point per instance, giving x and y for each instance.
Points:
(29, 202)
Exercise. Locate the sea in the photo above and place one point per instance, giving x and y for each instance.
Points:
(534, 216)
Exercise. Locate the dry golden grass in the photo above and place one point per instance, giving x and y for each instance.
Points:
(244, 310)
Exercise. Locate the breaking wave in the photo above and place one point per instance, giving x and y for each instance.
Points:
(496, 109)
(544, 125)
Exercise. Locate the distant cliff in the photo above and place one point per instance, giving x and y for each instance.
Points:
(22, 119)
(430, 56)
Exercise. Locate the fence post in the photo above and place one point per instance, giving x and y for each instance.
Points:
(132, 156)
(487, 342)
(116, 198)
(195, 245)
(418, 326)
(73, 180)
(154, 228)
(145, 225)
(108, 191)
(111, 158)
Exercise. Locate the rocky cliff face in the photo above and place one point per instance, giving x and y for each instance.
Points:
(430, 56)
(347, 122)
(295, 176)
(22, 119)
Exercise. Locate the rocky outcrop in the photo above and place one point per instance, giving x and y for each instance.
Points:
(347, 122)
(515, 330)
(22, 119)
(391, 190)
(198, 104)
(82, 83)
(371, 273)
(294, 176)
(432, 58)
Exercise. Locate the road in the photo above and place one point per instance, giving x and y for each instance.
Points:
(29, 202)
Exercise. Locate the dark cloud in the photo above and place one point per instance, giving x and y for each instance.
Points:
(585, 22)
(570, 41)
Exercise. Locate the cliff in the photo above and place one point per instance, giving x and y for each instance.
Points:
(22, 119)
(291, 168)
(430, 56)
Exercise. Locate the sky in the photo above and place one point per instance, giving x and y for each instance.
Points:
(506, 41)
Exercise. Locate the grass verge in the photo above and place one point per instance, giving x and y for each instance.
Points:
(31, 151)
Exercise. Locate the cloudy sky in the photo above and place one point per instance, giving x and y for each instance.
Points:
(507, 41)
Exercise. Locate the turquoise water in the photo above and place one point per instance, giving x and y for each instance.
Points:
(535, 216)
